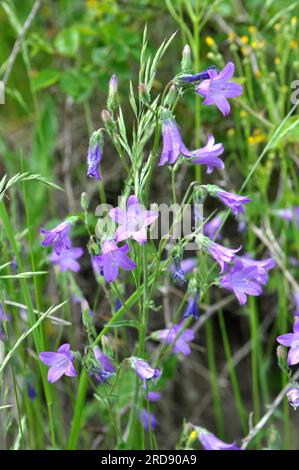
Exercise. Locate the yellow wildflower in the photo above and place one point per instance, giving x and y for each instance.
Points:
(244, 39)
(231, 36)
(293, 44)
(210, 41)
(252, 29)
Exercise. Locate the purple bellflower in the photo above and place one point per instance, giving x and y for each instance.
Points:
(208, 155)
(67, 259)
(154, 396)
(143, 419)
(212, 227)
(58, 237)
(242, 281)
(173, 144)
(143, 369)
(218, 88)
(177, 270)
(94, 157)
(296, 300)
(60, 362)
(210, 442)
(289, 214)
(263, 266)
(113, 257)
(105, 370)
(169, 335)
(103, 359)
(293, 397)
(220, 253)
(233, 201)
(192, 307)
(291, 340)
(132, 221)
(188, 265)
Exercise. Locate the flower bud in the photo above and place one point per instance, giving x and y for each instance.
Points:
(112, 96)
(186, 64)
(171, 97)
(293, 397)
(143, 93)
(281, 357)
(86, 314)
(84, 201)
(108, 120)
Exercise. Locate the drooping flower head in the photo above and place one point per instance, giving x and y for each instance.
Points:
(173, 145)
(143, 369)
(217, 88)
(293, 397)
(208, 155)
(58, 237)
(242, 281)
(103, 369)
(291, 340)
(210, 442)
(178, 338)
(103, 359)
(220, 253)
(94, 155)
(60, 362)
(231, 200)
(113, 257)
(133, 221)
(177, 270)
(192, 306)
(67, 260)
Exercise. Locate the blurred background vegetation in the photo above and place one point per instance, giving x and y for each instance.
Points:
(54, 97)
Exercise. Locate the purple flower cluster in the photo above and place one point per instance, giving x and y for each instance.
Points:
(173, 147)
(133, 222)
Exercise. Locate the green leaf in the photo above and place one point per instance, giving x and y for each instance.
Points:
(45, 78)
(67, 41)
(76, 84)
